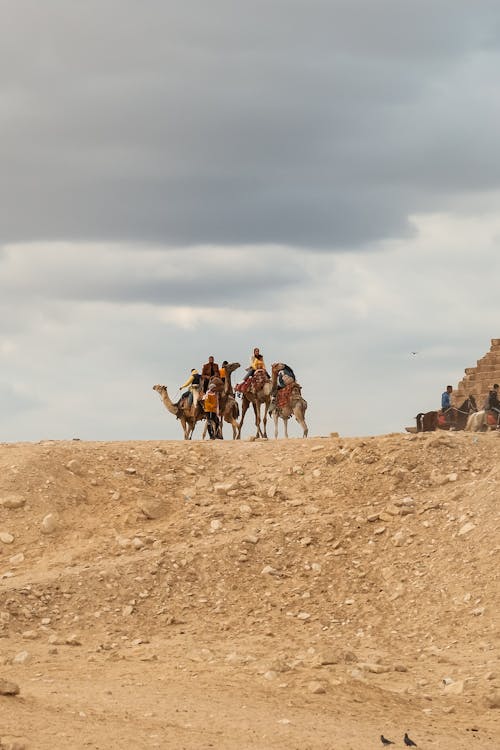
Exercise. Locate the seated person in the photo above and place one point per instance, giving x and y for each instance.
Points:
(257, 363)
(285, 376)
(193, 384)
(210, 369)
(446, 406)
(492, 402)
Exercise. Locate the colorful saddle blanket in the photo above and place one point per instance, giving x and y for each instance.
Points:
(284, 395)
(492, 418)
(253, 384)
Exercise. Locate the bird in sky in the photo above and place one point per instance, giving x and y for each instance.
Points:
(385, 741)
(408, 741)
(413, 353)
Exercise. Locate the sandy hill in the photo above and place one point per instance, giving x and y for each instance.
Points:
(308, 594)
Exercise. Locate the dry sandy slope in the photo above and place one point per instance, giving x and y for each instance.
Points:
(289, 594)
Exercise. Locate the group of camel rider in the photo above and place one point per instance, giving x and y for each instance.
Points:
(207, 385)
(492, 402)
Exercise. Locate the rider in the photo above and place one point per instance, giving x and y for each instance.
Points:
(256, 363)
(285, 376)
(210, 369)
(446, 406)
(493, 403)
(193, 384)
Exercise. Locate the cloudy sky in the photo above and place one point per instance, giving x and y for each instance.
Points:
(320, 178)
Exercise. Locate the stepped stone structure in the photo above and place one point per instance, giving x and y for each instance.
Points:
(479, 380)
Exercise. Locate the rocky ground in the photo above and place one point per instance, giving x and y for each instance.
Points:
(302, 594)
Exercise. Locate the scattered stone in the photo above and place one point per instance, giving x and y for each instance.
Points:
(466, 528)
(251, 538)
(316, 688)
(23, 657)
(152, 509)
(454, 688)
(130, 471)
(74, 466)
(12, 501)
(16, 559)
(379, 530)
(222, 488)
(303, 616)
(492, 700)
(268, 570)
(8, 688)
(49, 524)
(373, 517)
(270, 675)
(6, 537)
(215, 525)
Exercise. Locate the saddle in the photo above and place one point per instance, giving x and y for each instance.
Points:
(284, 395)
(492, 418)
(254, 383)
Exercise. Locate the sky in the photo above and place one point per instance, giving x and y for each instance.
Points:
(319, 178)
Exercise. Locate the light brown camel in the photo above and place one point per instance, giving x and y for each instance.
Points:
(228, 406)
(257, 395)
(187, 415)
(296, 405)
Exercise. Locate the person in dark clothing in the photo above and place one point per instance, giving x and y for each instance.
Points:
(493, 403)
(193, 384)
(210, 369)
(446, 406)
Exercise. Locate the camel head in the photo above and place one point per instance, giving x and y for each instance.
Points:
(232, 367)
(159, 388)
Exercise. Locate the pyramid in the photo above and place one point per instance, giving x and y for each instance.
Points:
(479, 380)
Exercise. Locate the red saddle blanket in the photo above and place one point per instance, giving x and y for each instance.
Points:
(491, 418)
(254, 384)
(285, 394)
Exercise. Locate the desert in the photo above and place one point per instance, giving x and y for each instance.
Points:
(311, 594)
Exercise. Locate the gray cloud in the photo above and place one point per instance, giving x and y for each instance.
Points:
(318, 124)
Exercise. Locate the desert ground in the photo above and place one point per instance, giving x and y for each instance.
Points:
(292, 594)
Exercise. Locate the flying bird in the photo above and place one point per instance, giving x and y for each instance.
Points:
(408, 741)
(413, 353)
(385, 741)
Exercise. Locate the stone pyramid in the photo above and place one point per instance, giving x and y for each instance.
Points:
(479, 380)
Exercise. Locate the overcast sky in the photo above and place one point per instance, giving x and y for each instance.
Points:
(178, 179)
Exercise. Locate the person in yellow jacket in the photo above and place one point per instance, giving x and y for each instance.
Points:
(211, 408)
(256, 363)
(193, 385)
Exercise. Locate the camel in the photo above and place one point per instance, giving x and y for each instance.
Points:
(188, 415)
(228, 407)
(296, 405)
(257, 395)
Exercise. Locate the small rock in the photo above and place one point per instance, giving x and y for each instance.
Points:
(251, 538)
(379, 530)
(303, 616)
(222, 488)
(74, 466)
(454, 688)
(73, 640)
(270, 675)
(12, 501)
(8, 688)
(16, 559)
(6, 537)
(268, 570)
(374, 517)
(130, 471)
(492, 700)
(152, 509)
(316, 687)
(466, 528)
(452, 477)
(215, 525)
(49, 524)
(23, 657)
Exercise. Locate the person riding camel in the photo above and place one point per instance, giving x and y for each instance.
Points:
(285, 376)
(256, 363)
(193, 386)
(210, 370)
(222, 371)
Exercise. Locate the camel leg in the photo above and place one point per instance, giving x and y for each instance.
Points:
(256, 409)
(275, 417)
(285, 426)
(244, 409)
(266, 409)
(234, 424)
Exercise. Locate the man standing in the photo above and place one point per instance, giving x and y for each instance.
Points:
(210, 370)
